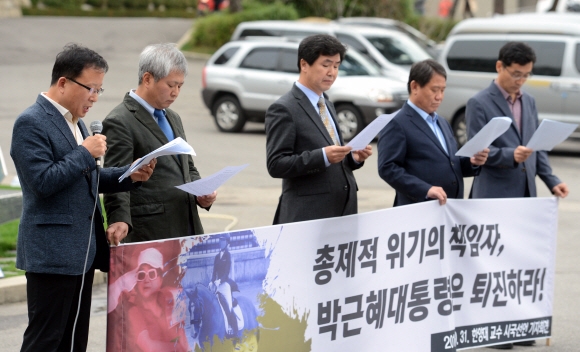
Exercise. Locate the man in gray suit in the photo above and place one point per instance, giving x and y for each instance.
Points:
(142, 123)
(61, 238)
(511, 168)
(303, 142)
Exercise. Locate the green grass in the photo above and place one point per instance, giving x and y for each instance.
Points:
(8, 236)
(9, 187)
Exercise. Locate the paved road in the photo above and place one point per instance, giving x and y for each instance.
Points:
(26, 55)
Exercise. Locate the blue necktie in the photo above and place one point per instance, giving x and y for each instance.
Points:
(164, 124)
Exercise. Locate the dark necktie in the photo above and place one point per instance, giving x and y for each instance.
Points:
(164, 124)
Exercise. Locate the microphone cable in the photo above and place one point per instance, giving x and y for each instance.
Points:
(72, 343)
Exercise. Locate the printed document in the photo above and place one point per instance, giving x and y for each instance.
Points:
(209, 184)
(549, 134)
(365, 137)
(483, 139)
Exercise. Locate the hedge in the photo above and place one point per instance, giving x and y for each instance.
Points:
(216, 29)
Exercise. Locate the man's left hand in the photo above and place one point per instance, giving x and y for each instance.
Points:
(560, 190)
(362, 155)
(144, 172)
(480, 158)
(207, 201)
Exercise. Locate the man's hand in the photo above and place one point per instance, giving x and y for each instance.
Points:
(560, 190)
(207, 200)
(144, 172)
(437, 193)
(480, 158)
(336, 153)
(96, 145)
(361, 155)
(116, 232)
(522, 153)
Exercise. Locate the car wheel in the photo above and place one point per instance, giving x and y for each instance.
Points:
(460, 129)
(350, 121)
(228, 114)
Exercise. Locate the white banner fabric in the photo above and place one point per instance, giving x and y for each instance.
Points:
(422, 277)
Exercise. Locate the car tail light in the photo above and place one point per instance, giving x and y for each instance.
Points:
(203, 78)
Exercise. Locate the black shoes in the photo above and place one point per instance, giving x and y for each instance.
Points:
(505, 346)
(525, 343)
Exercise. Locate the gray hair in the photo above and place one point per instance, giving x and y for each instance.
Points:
(160, 60)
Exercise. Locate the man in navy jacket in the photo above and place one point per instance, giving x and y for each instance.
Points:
(417, 148)
(61, 238)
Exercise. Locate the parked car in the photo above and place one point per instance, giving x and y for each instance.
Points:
(243, 78)
(428, 44)
(393, 51)
(471, 51)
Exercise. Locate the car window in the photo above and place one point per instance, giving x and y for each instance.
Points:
(355, 64)
(472, 55)
(400, 50)
(549, 57)
(577, 58)
(289, 61)
(261, 59)
(481, 56)
(226, 55)
(259, 32)
(353, 43)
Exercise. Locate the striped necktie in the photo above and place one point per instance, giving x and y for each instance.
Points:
(324, 117)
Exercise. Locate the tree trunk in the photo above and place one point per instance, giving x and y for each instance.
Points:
(498, 6)
(235, 6)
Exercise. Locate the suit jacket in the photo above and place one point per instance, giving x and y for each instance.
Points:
(157, 210)
(295, 136)
(59, 185)
(412, 160)
(501, 176)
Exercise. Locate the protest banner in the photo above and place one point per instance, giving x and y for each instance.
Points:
(422, 277)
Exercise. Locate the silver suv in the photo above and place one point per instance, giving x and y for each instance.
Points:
(243, 78)
(394, 52)
(472, 48)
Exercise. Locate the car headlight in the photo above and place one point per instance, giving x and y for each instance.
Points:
(380, 95)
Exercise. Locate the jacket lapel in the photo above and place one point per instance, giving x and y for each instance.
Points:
(143, 116)
(500, 102)
(418, 121)
(311, 113)
(58, 120)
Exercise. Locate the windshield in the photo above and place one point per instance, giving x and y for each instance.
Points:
(355, 64)
(400, 50)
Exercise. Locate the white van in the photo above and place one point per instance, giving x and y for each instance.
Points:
(471, 51)
(391, 50)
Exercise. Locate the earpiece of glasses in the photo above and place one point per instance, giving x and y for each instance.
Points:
(151, 273)
(92, 91)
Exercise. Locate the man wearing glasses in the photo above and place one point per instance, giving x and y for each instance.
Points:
(511, 168)
(61, 238)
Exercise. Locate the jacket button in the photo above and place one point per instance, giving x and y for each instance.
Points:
(523, 169)
(346, 188)
(452, 163)
(454, 183)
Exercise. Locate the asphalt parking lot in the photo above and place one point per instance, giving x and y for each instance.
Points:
(27, 49)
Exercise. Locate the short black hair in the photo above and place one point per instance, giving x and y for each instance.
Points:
(73, 59)
(422, 72)
(518, 52)
(312, 47)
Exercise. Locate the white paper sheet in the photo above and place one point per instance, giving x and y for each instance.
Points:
(493, 129)
(365, 137)
(549, 134)
(211, 183)
(176, 146)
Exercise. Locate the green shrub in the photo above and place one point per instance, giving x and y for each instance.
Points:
(216, 29)
(434, 27)
(114, 4)
(95, 3)
(179, 4)
(136, 4)
(64, 4)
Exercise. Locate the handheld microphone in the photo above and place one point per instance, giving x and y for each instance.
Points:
(96, 128)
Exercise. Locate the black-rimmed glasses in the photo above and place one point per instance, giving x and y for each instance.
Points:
(91, 90)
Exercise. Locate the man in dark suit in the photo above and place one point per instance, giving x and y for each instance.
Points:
(417, 148)
(511, 168)
(303, 142)
(142, 123)
(54, 157)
